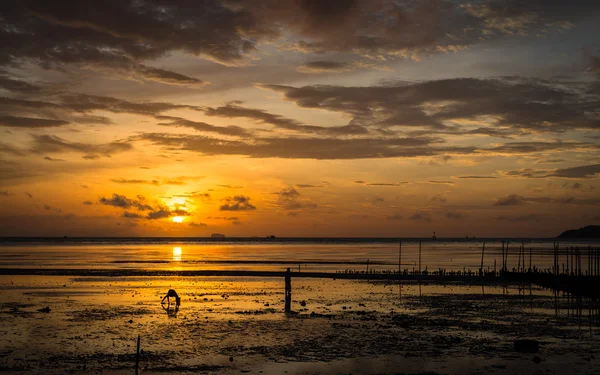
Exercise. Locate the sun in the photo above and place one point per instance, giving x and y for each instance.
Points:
(177, 219)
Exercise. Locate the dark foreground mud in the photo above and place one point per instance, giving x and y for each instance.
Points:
(228, 326)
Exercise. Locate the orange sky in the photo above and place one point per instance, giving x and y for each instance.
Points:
(351, 118)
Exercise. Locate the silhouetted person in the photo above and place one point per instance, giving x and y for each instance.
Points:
(288, 291)
(171, 293)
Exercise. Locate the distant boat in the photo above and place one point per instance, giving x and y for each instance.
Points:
(217, 235)
(271, 237)
(434, 237)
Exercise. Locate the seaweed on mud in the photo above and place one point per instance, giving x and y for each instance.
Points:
(106, 314)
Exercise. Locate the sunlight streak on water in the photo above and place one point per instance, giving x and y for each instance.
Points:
(177, 254)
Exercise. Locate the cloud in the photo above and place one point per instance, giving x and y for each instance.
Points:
(132, 215)
(454, 215)
(499, 107)
(439, 198)
(519, 218)
(88, 203)
(515, 200)
(122, 201)
(511, 200)
(441, 182)
(382, 184)
(237, 203)
(308, 186)
(584, 171)
(421, 216)
(53, 144)
(52, 159)
(395, 217)
(30, 122)
(5, 194)
(477, 177)
(305, 148)
(290, 199)
(325, 66)
(195, 224)
(204, 127)
(235, 110)
(17, 85)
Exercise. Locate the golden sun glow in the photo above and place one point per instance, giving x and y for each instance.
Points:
(177, 219)
(177, 254)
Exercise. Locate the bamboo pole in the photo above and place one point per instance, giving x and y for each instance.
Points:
(137, 356)
(400, 257)
(482, 252)
(419, 256)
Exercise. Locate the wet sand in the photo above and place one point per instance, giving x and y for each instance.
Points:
(236, 325)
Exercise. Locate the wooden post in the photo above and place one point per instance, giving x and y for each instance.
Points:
(506, 254)
(482, 252)
(502, 269)
(288, 291)
(367, 266)
(400, 257)
(137, 356)
(419, 257)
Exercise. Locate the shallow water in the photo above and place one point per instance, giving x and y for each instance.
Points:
(233, 325)
(321, 255)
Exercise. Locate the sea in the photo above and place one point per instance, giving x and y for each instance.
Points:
(276, 254)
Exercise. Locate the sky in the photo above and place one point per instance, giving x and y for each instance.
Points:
(355, 118)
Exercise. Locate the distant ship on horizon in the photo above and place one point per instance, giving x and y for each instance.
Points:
(217, 235)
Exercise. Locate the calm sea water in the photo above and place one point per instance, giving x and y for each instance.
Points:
(329, 255)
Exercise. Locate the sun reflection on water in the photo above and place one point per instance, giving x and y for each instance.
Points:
(177, 254)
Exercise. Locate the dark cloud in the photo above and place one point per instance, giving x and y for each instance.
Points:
(421, 216)
(5, 193)
(88, 203)
(132, 215)
(30, 122)
(516, 105)
(17, 85)
(235, 110)
(311, 148)
(477, 177)
(116, 35)
(65, 108)
(454, 215)
(325, 66)
(514, 200)
(177, 181)
(121, 36)
(122, 201)
(204, 127)
(439, 198)
(308, 186)
(441, 182)
(229, 218)
(395, 217)
(382, 184)
(8, 149)
(511, 200)
(584, 171)
(54, 144)
(52, 159)
(195, 224)
(290, 199)
(519, 218)
(237, 203)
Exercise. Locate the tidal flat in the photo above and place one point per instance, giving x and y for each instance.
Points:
(237, 325)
